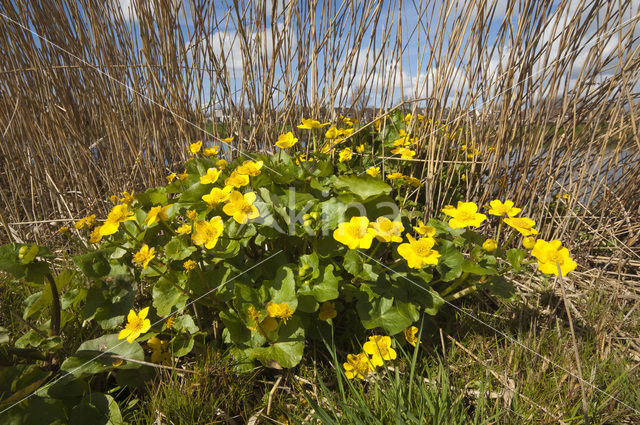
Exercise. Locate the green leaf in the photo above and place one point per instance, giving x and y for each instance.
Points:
(152, 197)
(477, 269)
(355, 265)
(178, 249)
(96, 408)
(500, 287)
(94, 356)
(166, 296)
(283, 288)
(94, 264)
(185, 323)
(363, 186)
(287, 352)
(10, 261)
(450, 262)
(194, 193)
(327, 289)
(238, 332)
(182, 345)
(109, 302)
(385, 313)
(515, 257)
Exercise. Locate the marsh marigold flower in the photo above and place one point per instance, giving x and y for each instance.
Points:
(333, 133)
(159, 350)
(286, 140)
(466, 214)
(250, 168)
(241, 207)
(357, 366)
(227, 139)
(345, 155)
(157, 213)
(309, 124)
(523, 225)
(355, 234)
(192, 215)
(387, 230)
(207, 232)
(189, 265)
(410, 335)
(222, 164)
(424, 230)
(280, 311)
(170, 322)
(360, 148)
(499, 209)
(217, 196)
(490, 245)
(137, 324)
(119, 214)
(550, 255)
(211, 177)
(171, 177)
(405, 153)
(144, 256)
(395, 176)
(373, 171)
(327, 311)
(212, 151)
(194, 148)
(88, 222)
(237, 180)
(95, 236)
(419, 252)
(529, 242)
(185, 229)
(379, 348)
(63, 230)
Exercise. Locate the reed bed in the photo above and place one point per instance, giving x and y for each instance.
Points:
(97, 98)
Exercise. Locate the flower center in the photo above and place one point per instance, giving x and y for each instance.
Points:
(422, 249)
(136, 325)
(356, 231)
(554, 257)
(466, 216)
(386, 226)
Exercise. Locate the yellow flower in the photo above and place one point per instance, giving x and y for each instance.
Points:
(360, 148)
(211, 177)
(185, 229)
(405, 153)
(227, 139)
(395, 176)
(207, 232)
(345, 155)
(550, 254)
(269, 324)
(88, 222)
(490, 245)
(241, 207)
(192, 215)
(448, 210)
(194, 148)
(237, 180)
(190, 265)
(403, 141)
(419, 252)
(309, 124)
(156, 214)
(119, 214)
(286, 140)
(529, 242)
(357, 366)
(95, 236)
(159, 353)
(499, 209)
(355, 234)
(408, 117)
(387, 230)
(424, 230)
(217, 196)
(346, 132)
(333, 133)
(327, 311)
(222, 164)
(127, 198)
(212, 151)
(63, 229)
(137, 324)
(466, 214)
(113, 199)
(183, 176)
(373, 171)
(410, 335)
(379, 348)
(144, 256)
(170, 322)
(250, 168)
(412, 181)
(282, 311)
(303, 158)
(171, 177)
(523, 225)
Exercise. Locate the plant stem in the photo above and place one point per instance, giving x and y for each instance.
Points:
(462, 293)
(455, 284)
(55, 306)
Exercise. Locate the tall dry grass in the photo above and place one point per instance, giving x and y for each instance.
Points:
(111, 100)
